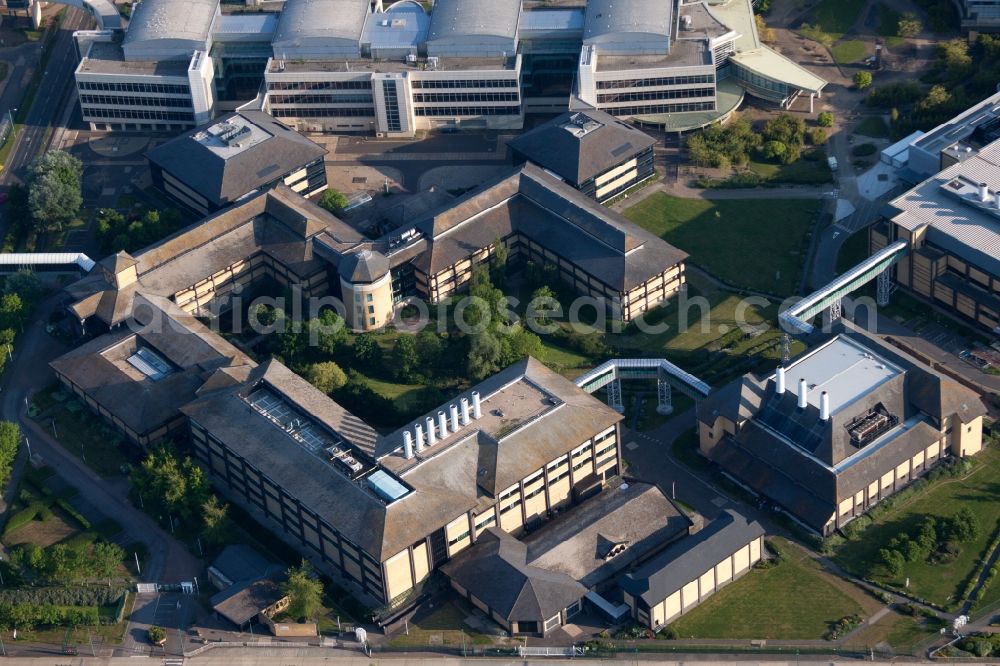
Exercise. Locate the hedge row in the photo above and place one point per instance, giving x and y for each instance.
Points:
(29, 615)
(77, 516)
(26, 515)
(62, 596)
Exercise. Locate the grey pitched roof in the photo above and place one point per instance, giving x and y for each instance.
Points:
(688, 559)
(320, 20)
(578, 542)
(242, 601)
(555, 215)
(223, 179)
(99, 367)
(494, 570)
(363, 267)
(240, 562)
(566, 147)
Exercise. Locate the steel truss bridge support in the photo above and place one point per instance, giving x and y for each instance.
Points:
(610, 374)
(884, 286)
(836, 310)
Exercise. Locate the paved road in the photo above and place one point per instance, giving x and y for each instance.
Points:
(47, 104)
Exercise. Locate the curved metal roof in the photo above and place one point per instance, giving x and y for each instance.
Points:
(171, 19)
(610, 17)
(460, 18)
(321, 19)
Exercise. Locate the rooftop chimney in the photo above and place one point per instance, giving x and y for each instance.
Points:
(465, 411)
(984, 192)
(431, 437)
(824, 406)
(442, 425)
(419, 429)
(477, 411)
(453, 408)
(803, 393)
(407, 444)
(779, 381)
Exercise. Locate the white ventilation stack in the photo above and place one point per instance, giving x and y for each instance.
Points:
(477, 408)
(407, 444)
(420, 437)
(779, 381)
(442, 425)
(824, 406)
(803, 393)
(984, 192)
(465, 411)
(453, 408)
(431, 437)
(997, 195)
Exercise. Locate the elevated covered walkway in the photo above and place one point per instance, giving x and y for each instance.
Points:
(828, 297)
(610, 374)
(14, 261)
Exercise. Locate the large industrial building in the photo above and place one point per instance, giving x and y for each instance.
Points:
(980, 15)
(839, 429)
(951, 220)
(353, 65)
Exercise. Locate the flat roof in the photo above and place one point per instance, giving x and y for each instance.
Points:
(403, 25)
(690, 52)
(108, 58)
(955, 221)
(362, 65)
(844, 368)
(959, 127)
(568, 19)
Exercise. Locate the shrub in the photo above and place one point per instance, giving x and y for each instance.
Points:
(862, 80)
(71, 510)
(825, 119)
(157, 635)
(817, 136)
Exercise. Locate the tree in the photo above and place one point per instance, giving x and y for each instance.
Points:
(25, 284)
(498, 262)
(11, 310)
(825, 119)
(367, 351)
(157, 635)
(545, 304)
(53, 183)
(170, 489)
(519, 343)
(817, 136)
(774, 150)
(766, 33)
(105, 558)
(892, 560)
(329, 331)
(788, 130)
(217, 527)
(304, 590)
(405, 359)
(485, 355)
(964, 526)
(862, 80)
(333, 200)
(937, 96)
(326, 376)
(429, 350)
(10, 440)
(909, 25)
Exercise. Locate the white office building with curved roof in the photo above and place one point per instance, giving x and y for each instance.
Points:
(393, 70)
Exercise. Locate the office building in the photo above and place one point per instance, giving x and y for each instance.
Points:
(839, 429)
(951, 220)
(980, 15)
(356, 66)
(593, 151)
(234, 157)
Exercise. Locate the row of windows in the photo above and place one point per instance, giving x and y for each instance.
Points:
(655, 94)
(468, 111)
(660, 81)
(135, 87)
(134, 114)
(299, 112)
(136, 101)
(466, 97)
(319, 85)
(321, 99)
(466, 83)
(660, 108)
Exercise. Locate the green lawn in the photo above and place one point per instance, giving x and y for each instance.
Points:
(872, 126)
(903, 633)
(830, 19)
(800, 172)
(444, 624)
(793, 600)
(939, 583)
(701, 333)
(562, 360)
(849, 51)
(854, 250)
(752, 243)
(82, 433)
